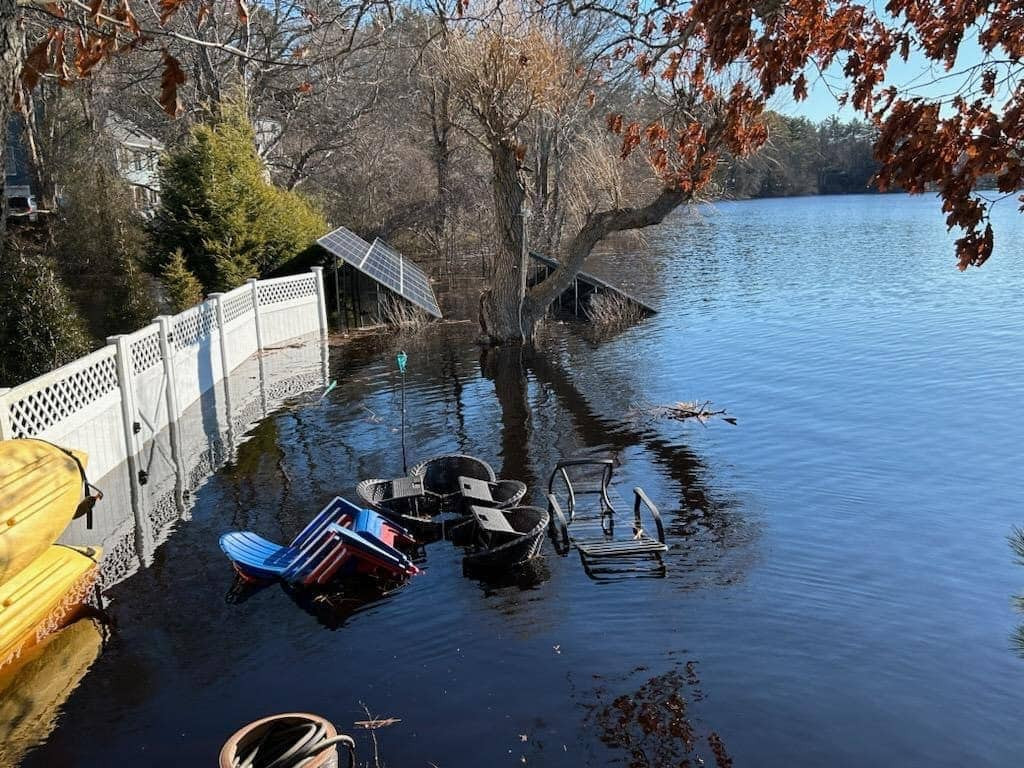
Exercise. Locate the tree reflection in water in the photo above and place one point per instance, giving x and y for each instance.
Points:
(655, 724)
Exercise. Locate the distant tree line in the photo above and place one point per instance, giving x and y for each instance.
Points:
(805, 158)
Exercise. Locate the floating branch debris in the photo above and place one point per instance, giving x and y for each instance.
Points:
(682, 411)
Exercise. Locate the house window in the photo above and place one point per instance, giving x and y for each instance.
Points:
(138, 160)
(151, 161)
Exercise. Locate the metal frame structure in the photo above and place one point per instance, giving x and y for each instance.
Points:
(592, 530)
(382, 264)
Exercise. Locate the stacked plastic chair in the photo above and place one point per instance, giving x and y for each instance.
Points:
(341, 539)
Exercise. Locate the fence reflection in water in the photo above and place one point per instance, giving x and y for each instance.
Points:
(159, 410)
(144, 498)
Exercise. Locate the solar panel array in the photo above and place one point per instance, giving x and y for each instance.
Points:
(385, 265)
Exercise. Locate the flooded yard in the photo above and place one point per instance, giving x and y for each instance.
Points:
(838, 589)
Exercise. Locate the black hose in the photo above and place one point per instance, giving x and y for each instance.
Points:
(290, 744)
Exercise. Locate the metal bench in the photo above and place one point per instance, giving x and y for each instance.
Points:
(591, 521)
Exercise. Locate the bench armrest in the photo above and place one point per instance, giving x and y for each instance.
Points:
(642, 498)
(559, 527)
(607, 466)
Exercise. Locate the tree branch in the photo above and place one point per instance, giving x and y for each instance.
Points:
(596, 227)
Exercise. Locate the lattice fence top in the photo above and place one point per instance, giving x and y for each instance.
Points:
(36, 407)
(193, 325)
(286, 289)
(237, 304)
(63, 393)
(146, 351)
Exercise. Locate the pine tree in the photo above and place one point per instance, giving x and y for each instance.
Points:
(183, 288)
(100, 242)
(220, 210)
(39, 327)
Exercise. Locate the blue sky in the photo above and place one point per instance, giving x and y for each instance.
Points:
(917, 75)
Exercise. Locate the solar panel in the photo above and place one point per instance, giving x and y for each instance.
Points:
(385, 265)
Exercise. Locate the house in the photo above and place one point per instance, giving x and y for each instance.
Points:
(17, 167)
(137, 155)
(17, 177)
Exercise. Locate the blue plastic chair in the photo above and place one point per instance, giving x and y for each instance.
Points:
(320, 549)
(359, 551)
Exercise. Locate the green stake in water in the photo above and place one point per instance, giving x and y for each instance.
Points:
(402, 360)
(330, 388)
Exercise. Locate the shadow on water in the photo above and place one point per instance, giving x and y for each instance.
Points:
(331, 607)
(505, 366)
(524, 576)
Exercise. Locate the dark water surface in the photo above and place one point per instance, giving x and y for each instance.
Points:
(839, 588)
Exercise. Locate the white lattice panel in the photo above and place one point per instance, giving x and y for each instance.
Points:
(283, 289)
(237, 303)
(193, 325)
(145, 349)
(77, 406)
(48, 400)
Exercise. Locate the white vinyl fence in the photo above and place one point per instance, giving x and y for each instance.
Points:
(113, 401)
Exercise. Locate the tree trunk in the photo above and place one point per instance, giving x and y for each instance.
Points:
(10, 71)
(439, 101)
(502, 318)
(442, 162)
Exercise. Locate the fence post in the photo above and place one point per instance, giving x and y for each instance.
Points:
(218, 306)
(218, 303)
(5, 416)
(321, 302)
(167, 353)
(125, 370)
(173, 414)
(256, 312)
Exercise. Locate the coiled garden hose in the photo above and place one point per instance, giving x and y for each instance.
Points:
(285, 745)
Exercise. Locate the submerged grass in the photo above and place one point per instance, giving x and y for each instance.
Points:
(613, 311)
(400, 313)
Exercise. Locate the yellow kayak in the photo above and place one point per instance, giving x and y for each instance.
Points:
(40, 488)
(33, 691)
(43, 596)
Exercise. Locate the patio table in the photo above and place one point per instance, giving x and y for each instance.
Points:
(475, 490)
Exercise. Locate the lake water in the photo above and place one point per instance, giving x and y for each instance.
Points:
(839, 589)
